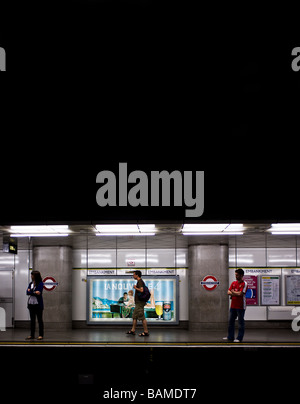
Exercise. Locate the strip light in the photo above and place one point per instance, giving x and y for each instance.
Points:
(39, 235)
(285, 228)
(40, 231)
(211, 233)
(213, 229)
(125, 230)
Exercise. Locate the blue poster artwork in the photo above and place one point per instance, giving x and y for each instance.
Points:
(113, 299)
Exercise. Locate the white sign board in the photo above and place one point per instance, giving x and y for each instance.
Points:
(292, 283)
(270, 290)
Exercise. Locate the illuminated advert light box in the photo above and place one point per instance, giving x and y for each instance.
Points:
(110, 299)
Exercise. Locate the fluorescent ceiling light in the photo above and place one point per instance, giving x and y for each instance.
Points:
(233, 227)
(125, 230)
(213, 229)
(219, 233)
(117, 228)
(285, 228)
(39, 235)
(40, 231)
(285, 232)
(125, 234)
(146, 227)
(195, 227)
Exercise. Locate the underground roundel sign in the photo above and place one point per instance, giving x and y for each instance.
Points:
(209, 282)
(49, 283)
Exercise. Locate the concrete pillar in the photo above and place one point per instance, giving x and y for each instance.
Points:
(56, 261)
(208, 310)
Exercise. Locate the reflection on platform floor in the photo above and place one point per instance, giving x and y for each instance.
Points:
(157, 337)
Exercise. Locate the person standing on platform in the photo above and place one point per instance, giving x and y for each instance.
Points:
(237, 292)
(35, 304)
(138, 313)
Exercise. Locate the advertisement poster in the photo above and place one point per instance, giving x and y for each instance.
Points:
(111, 299)
(252, 290)
(292, 290)
(270, 290)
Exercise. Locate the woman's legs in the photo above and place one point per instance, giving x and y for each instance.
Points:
(36, 311)
(39, 314)
(32, 320)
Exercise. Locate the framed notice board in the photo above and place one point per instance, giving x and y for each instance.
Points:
(292, 290)
(270, 290)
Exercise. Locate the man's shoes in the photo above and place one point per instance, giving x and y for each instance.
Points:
(231, 340)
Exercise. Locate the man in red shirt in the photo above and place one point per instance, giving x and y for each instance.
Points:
(237, 293)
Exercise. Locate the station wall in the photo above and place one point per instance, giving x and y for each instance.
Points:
(124, 260)
(14, 278)
(280, 262)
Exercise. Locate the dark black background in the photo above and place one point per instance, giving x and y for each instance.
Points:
(63, 369)
(160, 85)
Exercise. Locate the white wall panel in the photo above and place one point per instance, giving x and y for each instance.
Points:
(281, 257)
(247, 257)
(79, 256)
(258, 313)
(7, 260)
(251, 257)
(20, 265)
(139, 258)
(101, 258)
(79, 294)
(131, 258)
(97, 258)
(232, 257)
(161, 258)
(182, 257)
(183, 294)
(262, 257)
(22, 278)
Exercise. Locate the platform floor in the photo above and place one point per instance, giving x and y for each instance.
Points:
(89, 363)
(158, 337)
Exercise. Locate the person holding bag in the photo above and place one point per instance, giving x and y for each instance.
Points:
(141, 297)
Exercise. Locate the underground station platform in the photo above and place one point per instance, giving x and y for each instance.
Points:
(169, 364)
(158, 338)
